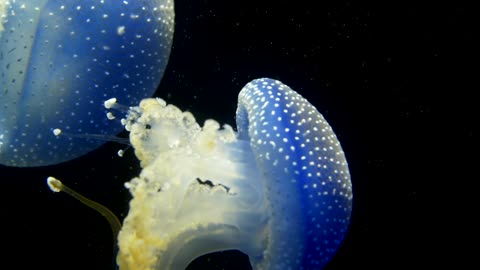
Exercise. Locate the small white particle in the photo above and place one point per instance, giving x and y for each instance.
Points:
(57, 132)
(109, 103)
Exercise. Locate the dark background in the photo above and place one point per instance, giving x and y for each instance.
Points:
(394, 81)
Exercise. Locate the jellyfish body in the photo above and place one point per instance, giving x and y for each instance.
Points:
(278, 190)
(59, 60)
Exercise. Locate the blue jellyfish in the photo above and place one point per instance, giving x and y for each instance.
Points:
(277, 189)
(59, 60)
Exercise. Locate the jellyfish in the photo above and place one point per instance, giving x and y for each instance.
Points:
(278, 188)
(59, 60)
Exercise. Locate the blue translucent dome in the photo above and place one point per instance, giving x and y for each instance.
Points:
(59, 60)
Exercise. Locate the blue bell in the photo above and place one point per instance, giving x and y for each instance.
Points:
(59, 60)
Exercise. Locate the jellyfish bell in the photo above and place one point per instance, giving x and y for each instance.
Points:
(279, 189)
(59, 60)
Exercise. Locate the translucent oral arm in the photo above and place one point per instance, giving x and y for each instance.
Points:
(57, 186)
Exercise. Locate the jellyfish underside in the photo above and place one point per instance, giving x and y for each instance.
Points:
(197, 192)
(278, 189)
